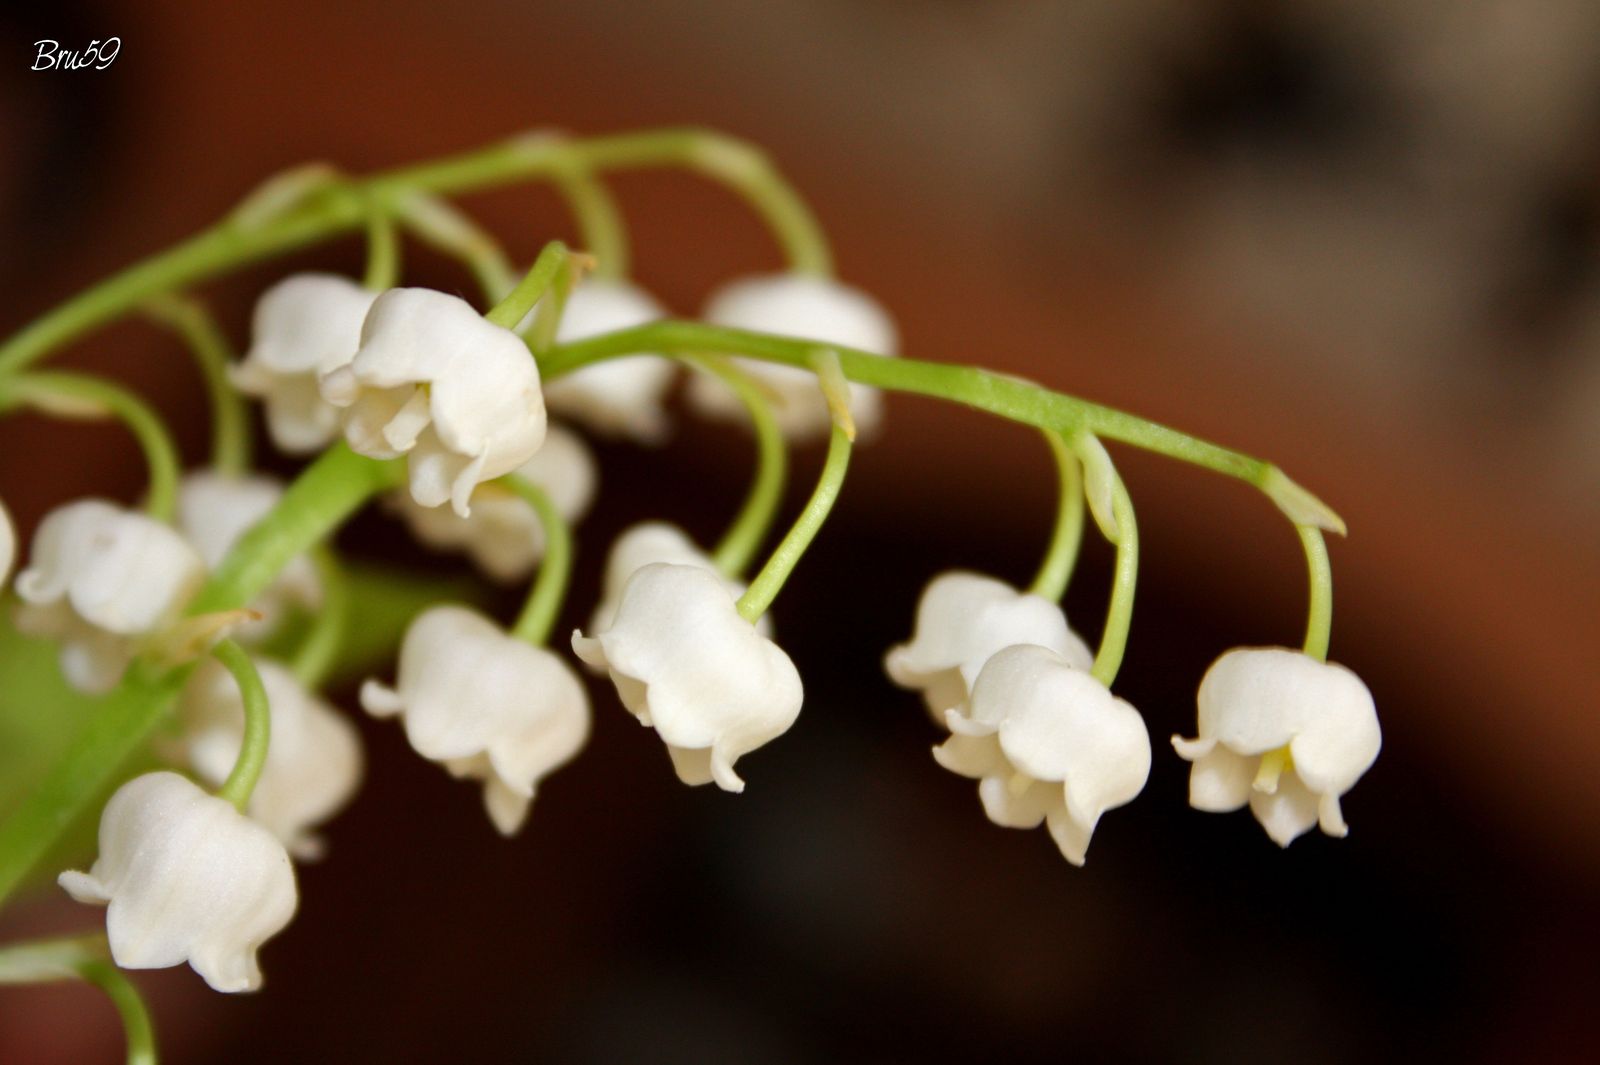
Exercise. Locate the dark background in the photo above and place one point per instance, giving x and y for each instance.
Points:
(1359, 239)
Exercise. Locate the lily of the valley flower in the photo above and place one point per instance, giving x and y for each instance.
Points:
(503, 535)
(436, 382)
(304, 326)
(100, 577)
(797, 305)
(617, 397)
(487, 706)
(1049, 744)
(962, 619)
(214, 510)
(641, 545)
(187, 878)
(687, 664)
(1284, 732)
(313, 761)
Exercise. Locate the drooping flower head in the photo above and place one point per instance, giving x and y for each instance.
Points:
(617, 397)
(1049, 743)
(797, 305)
(436, 382)
(485, 705)
(1283, 732)
(305, 326)
(503, 535)
(214, 510)
(685, 663)
(99, 577)
(313, 763)
(643, 544)
(187, 879)
(962, 619)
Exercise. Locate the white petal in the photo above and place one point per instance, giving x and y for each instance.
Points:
(1219, 781)
(972, 756)
(1018, 802)
(8, 545)
(1071, 835)
(1286, 813)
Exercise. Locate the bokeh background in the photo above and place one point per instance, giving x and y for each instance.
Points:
(1362, 239)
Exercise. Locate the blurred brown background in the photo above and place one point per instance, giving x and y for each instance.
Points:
(1358, 238)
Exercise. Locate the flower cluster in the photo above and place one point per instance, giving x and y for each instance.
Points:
(227, 590)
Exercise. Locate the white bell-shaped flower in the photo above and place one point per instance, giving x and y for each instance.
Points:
(797, 305)
(687, 664)
(621, 396)
(8, 544)
(214, 510)
(962, 619)
(503, 535)
(486, 705)
(304, 326)
(1049, 743)
(100, 577)
(187, 878)
(1284, 732)
(314, 759)
(436, 382)
(646, 543)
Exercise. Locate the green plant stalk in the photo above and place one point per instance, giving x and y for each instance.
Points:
(338, 206)
(600, 225)
(257, 725)
(1319, 615)
(758, 597)
(541, 335)
(318, 652)
(738, 545)
(1000, 394)
(383, 248)
(325, 494)
(1055, 572)
(445, 228)
(549, 589)
(86, 958)
(82, 396)
(545, 271)
(1119, 615)
(230, 421)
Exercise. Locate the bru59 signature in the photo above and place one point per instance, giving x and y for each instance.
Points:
(98, 54)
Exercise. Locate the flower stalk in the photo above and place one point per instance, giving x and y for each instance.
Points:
(257, 725)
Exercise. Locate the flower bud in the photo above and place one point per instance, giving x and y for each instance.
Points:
(1283, 732)
(313, 760)
(458, 395)
(962, 619)
(485, 705)
(504, 535)
(100, 576)
(304, 326)
(687, 664)
(1050, 744)
(187, 878)
(617, 397)
(812, 308)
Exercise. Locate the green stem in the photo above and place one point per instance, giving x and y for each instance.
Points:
(547, 318)
(339, 205)
(738, 545)
(1319, 617)
(325, 494)
(771, 579)
(85, 958)
(516, 304)
(538, 615)
(600, 224)
(73, 395)
(445, 228)
(1062, 556)
(1001, 394)
(1119, 616)
(319, 649)
(257, 725)
(230, 420)
(383, 248)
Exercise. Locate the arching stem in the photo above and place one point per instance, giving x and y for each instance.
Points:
(738, 545)
(555, 569)
(1119, 615)
(1319, 615)
(319, 649)
(257, 725)
(230, 422)
(1062, 555)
